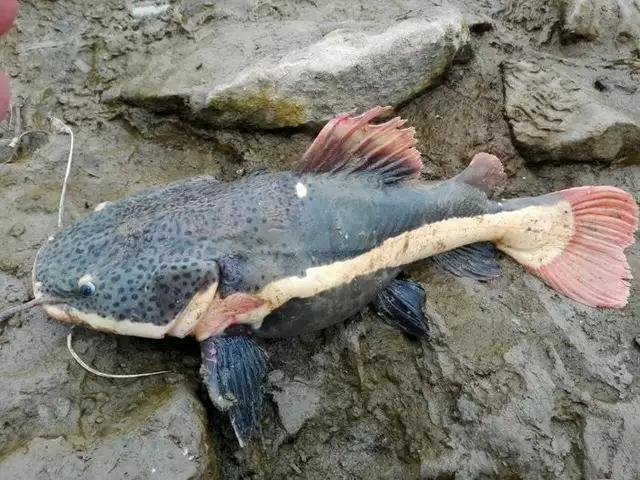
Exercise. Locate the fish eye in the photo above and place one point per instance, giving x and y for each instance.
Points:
(87, 289)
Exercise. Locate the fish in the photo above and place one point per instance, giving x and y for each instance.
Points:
(275, 255)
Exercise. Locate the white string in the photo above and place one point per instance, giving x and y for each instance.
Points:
(102, 374)
(60, 127)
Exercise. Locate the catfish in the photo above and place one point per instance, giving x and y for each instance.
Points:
(286, 253)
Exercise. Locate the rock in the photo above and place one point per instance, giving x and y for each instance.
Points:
(165, 443)
(605, 20)
(17, 230)
(46, 397)
(555, 116)
(582, 18)
(353, 67)
(297, 401)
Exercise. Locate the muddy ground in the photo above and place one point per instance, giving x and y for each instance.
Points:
(517, 381)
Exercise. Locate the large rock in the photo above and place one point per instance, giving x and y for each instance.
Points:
(556, 115)
(302, 77)
(162, 443)
(613, 20)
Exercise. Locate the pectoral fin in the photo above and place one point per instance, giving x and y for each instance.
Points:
(233, 369)
(400, 305)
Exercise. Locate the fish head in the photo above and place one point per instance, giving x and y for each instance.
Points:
(126, 276)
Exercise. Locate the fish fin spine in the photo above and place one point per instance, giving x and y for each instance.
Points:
(349, 143)
(234, 369)
(589, 265)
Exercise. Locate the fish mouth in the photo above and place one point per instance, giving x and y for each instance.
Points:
(59, 311)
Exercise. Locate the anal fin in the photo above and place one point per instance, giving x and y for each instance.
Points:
(400, 305)
(233, 369)
(476, 261)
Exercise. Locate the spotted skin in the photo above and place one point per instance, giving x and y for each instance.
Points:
(152, 252)
(148, 255)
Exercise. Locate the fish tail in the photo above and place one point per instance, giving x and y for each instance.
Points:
(574, 240)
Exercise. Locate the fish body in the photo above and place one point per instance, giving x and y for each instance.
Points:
(149, 255)
(280, 254)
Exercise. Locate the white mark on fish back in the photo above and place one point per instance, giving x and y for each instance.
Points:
(301, 190)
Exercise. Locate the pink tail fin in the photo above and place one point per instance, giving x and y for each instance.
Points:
(592, 268)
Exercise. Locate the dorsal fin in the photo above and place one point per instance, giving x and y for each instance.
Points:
(354, 144)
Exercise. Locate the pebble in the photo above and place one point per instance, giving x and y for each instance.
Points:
(17, 230)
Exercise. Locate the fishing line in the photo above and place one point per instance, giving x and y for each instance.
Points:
(58, 126)
(89, 369)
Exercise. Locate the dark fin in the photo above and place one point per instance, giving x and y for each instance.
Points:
(400, 305)
(234, 368)
(476, 261)
(485, 172)
(353, 144)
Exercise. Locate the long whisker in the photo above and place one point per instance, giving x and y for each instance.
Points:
(10, 312)
(89, 369)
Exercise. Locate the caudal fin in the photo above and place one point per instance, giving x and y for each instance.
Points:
(574, 241)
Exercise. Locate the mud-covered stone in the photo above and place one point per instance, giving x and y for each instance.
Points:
(602, 20)
(59, 421)
(307, 81)
(165, 442)
(582, 18)
(298, 400)
(555, 115)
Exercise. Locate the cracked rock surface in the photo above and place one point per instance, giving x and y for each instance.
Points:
(556, 114)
